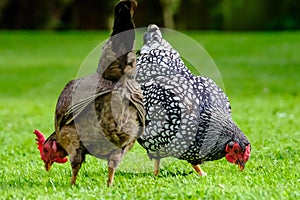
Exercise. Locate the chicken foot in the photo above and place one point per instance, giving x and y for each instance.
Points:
(199, 170)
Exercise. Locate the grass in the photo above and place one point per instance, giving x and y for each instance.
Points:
(261, 76)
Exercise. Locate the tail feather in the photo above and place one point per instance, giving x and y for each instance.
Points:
(124, 11)
(114, 56)
(123, 22)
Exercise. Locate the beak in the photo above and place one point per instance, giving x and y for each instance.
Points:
(48, 165)
(241, 165)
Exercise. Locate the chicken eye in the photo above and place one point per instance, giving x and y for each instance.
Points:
(230, 144)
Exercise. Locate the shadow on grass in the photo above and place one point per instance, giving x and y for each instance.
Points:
(162, 173)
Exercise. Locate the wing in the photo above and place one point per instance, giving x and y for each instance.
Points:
(77, 95)
(171, 116)
(209, 94)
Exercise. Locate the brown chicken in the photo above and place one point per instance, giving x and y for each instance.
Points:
(101, 114)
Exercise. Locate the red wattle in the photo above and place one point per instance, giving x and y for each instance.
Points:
(61, 160)
(230, 158)
(247, 152)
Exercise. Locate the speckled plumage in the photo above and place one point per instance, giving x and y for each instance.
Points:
(187, 116)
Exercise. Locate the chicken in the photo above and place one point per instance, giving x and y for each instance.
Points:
(187, 116)
(101, 114)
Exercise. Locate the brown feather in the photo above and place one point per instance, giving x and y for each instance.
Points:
(103, 114)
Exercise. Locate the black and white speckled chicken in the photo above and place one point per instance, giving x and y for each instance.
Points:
(187, 116)
(101, 114)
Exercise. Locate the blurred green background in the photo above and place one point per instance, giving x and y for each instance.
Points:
(179, 14)
(259, 67)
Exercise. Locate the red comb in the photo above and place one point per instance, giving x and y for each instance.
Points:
(40, 141)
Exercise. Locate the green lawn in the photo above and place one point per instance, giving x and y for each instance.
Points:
(261, 74)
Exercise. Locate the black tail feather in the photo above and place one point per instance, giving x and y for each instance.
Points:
(123, 22)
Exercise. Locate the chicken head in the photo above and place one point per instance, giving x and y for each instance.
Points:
(49, 150)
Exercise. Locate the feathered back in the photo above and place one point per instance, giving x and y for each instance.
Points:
(159, 58)
(153, 40)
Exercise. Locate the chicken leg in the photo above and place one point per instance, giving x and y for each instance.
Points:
(156, 167)
(113, 162)
(199, 170)
(76, 162)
